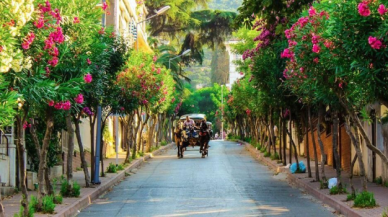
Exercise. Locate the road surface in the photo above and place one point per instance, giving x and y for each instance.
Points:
(227, 183)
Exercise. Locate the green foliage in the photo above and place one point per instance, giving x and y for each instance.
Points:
(379, 180)
(247, 139)
(141, 154)
(386, 184)
(163, 143)
(58, 199)
(351, 197)
(324, 184)
(266, 154)
(111, 168)
(263, 149)
(338, 190)
(48, 205)
(365, 199)
(120, 167)
(275, 156)
(70, 191)
(385, 212)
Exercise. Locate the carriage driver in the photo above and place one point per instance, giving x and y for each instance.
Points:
(189, 124)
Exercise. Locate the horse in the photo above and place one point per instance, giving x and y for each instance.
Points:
(181, 139)
(204, 136)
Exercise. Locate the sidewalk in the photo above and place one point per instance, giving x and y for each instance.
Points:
(71, 206)
(338, 202)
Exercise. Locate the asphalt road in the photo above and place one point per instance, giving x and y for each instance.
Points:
(227, 183)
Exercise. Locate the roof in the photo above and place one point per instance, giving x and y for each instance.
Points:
(193, 116)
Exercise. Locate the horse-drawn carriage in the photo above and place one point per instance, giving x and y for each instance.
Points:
(190, 134)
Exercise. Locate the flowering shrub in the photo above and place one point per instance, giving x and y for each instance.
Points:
(14, 16)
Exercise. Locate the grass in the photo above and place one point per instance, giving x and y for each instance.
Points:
(48, 205)
(351, 197)
(266, 154)
(365, 200)
(324, 184)
(338, 190)
(163, 143)
(385, 212)
(379, 180)
(111, 168)
(275, 156)
(78, 169)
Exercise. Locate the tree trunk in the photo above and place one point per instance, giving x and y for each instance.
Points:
(357, 147)
(324, 179)
(43, 154)
(128, 132)
(280, 133)
(368, 142)
(92, 121)
(135, 134)
(49, 186)
(284, 134)
(351, 176)
(84, 164)
(335, 147)
(70, 151)
(307, 150)
(290, 135)
(272, 131)
(22, 170)
(295, 154)
(314, 146)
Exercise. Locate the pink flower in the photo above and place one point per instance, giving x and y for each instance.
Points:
(58, 105)
(76, 20)
(145, 101)
(301, 69)
(88, 78)
(26, 125)
(303, 21)
(51, 103)
(287, 53)
(49, 43)
(374, 42)
(40, 23)
(316, 60)
(56, 15)
(155, 58)
(57, 36)
(88, 61)
(54, 61)
(316, 48)
(47, 71)
(66, 105)
(79, 99)
(102, 31)
(312, 11)
(382, 10)
(122, 108)
(159, 69)
(104, 6)
(315, 39)
(25, 45)
(340, 85)
(248, 112)
(54, 52)
(363, 9)
(328, 44)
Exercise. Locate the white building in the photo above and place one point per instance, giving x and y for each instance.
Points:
(233, 73)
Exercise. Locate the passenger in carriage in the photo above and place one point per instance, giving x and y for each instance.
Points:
(189, 124)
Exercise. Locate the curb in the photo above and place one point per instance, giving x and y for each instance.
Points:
(87, 199)
(338, 206)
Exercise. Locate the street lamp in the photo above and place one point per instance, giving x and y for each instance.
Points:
(183, 54)
(159, 12)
